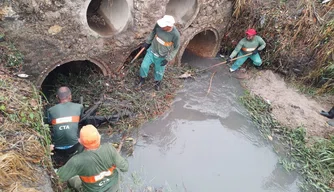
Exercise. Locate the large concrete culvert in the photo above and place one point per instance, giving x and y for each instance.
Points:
(81, 76)
(204, 44)
(184, 11)
(108, 17)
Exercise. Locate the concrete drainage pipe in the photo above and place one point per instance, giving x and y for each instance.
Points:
(184, 11)
(108, 17)
(203, 44)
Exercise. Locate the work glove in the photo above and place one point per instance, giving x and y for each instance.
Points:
(228, 60)
(164, 62)
(146, 45)
(255, 51)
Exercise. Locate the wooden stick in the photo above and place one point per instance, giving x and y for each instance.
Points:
(142, 49)
(131, 65)
(207, 93)
(122, 141)
(120, 145)
(138, 54)
(218, 64)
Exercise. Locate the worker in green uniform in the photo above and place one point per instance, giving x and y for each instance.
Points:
(252, 43)
(64, 119)
(162, 46)
(97, 168)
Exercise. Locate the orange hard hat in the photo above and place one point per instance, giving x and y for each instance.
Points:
(251, 32)
(90, 137)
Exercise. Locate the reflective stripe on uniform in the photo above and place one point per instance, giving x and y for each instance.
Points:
(61, 120)
(100, 176)
(64, 147)
(248, 49)
(162, 42)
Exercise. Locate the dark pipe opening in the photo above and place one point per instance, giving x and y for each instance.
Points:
(203, 44)
(84, 78)
(129, 67)
(133, 55)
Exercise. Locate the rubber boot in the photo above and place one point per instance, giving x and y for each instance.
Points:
(329, 114)
(157, 85)
(324, 113)
(259, 67)
(141, 82)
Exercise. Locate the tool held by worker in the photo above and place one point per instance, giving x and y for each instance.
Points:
(222, 63)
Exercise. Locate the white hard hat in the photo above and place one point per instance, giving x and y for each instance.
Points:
(167, 20)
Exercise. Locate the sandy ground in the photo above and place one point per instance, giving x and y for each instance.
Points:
(290, 107)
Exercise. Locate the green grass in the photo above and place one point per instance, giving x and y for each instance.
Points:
(314, 162)
(11, 57)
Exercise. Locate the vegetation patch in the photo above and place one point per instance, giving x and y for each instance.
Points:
(23, 136)
(299, 36)
(10, 57)
(314, 160)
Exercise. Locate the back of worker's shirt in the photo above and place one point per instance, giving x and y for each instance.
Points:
(98, 169)
(64, 118)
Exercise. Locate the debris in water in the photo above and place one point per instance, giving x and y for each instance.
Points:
(129, 139)
(185, 75)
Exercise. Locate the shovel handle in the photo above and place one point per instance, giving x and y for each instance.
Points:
(122, 66)
(142, 49)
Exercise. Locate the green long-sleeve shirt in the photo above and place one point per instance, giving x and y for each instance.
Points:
(249, 46)
(95, 164)
(157, 39)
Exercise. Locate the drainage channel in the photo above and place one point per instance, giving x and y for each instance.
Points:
(206, 142)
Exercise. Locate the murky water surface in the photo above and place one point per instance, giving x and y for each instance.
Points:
(206, 143)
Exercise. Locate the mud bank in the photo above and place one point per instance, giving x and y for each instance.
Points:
(290, 107)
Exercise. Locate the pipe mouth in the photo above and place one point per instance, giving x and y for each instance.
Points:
(108, 17)
(82, 77)
(184, 11)
(203, 44)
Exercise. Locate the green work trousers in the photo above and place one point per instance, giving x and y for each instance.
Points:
(255, 58)
(158, 69)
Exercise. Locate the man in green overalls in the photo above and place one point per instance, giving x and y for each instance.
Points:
(64, 119)
(252, 43)
(97, 168)
(162, 46)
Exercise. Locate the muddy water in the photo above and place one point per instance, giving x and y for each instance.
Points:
(206, 143)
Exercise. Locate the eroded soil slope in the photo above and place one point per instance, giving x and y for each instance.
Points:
(290, 107)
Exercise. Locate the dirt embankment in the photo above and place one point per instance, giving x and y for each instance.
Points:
(290, 107)
(24, 163)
